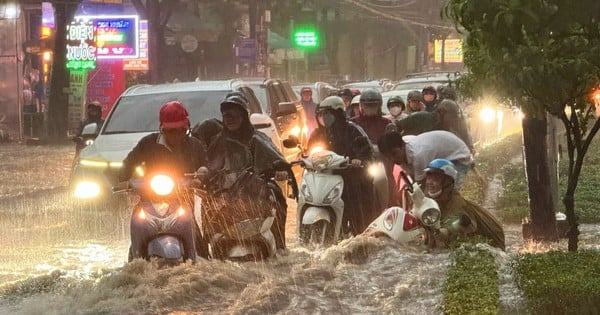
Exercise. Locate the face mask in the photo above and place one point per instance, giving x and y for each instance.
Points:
(395, 111)
(328, 119)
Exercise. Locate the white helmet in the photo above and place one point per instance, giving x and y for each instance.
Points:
(331, 102)
(355, 100)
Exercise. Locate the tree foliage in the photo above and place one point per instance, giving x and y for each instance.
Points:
(544, 54)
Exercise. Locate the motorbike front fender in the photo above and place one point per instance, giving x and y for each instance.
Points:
(314, 214)
(166, 246)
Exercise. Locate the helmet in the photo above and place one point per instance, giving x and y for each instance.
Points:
(235, 99)
(305, 89)
(396, 99)
(331, 102)
(414, 96)
(355, 92)
(355, 100)
(346, 93)
(442, 166)
(429, 90)
(371, 96)
(94, 105)
(173, 115)
(448, 92)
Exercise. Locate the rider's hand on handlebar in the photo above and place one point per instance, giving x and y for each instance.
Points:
(356, 162)
(280, 175)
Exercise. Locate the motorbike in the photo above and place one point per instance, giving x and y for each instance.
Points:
(237, 214)
(162, 221)
(320, 206)
(416, 226)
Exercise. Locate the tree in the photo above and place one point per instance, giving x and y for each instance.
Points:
(157, 13)
(544, 55)
(64, 10)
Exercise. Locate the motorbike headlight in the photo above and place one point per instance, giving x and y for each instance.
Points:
(296, 131)
(333, 194)
(430, 216)
(181, 212)
(86, 190)
(162, 185)
(316, 149)
(142, 215)
(390, 219)
(373, 170)
(306, 193)
(89, 142)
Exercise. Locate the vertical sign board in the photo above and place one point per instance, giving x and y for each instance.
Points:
(105, 84)
(452, 51)
(76, 109)
(140, 63)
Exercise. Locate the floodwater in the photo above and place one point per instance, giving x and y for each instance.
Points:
(59, 258)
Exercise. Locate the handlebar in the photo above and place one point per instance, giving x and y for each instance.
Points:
(407, 179)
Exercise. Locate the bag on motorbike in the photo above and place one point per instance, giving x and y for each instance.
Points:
(237, 196)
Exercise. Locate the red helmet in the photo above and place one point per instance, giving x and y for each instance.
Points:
(174, 115)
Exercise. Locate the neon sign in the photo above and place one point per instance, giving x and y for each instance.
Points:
(81, 51)
(117, 36)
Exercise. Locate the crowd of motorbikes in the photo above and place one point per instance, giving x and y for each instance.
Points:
(171, 212)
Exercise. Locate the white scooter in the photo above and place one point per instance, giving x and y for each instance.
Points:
(320, 206)
(408, 227)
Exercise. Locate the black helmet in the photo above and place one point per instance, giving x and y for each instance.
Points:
(414, 96)
(235, 99)
(346, 93)
(396, 99)
(429, 90)
(371, 95)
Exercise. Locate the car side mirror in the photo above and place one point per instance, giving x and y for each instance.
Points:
(286, 108)
(90, 130)
(291, 142)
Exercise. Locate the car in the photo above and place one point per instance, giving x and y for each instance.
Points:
(135, 115)
(418, 81)
(375, 84)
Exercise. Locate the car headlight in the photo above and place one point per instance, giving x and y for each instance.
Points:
(86, 190)
(487, 115)
(162, 185)
(306, 193)
(93, 163)
(430, 216)
(89, 142)
(333, 194)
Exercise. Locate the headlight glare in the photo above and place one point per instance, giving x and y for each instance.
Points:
(86, 190)
(162, 185)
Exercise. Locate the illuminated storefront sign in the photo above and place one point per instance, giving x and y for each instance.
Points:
(117, 37)
(81, 52)
(452, 51)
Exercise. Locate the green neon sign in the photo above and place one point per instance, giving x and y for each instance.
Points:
(306, 38)
(81, 64)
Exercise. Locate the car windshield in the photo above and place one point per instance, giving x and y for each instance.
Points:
(261, 93)
(139, 113)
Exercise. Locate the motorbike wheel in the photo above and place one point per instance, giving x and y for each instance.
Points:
(318, 232)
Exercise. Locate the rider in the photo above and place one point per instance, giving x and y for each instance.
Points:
(396, 107)
(239, 146)
(345, 138)
(460, 217)
(429, 98)
(170, 149)
(414, 102)
(93, 115)
(371, 119)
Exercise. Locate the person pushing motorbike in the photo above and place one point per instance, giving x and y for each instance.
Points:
(239, 147)
(169, 149)
(345, 138)
(460, 217)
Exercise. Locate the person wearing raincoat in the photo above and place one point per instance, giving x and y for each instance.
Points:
(345, 138)
(460, 217)
(239, 147)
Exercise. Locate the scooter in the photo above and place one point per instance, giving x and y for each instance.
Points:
(416, 226)
(162, 222)
(237, 227)
(320, 206)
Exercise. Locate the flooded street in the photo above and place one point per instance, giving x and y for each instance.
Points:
(60, 258)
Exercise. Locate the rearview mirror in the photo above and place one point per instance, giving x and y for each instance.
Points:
(90, 130)
(286, 108)
(291, 142)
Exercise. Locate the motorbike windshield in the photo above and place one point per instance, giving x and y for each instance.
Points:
(321, 160)
(139, 113)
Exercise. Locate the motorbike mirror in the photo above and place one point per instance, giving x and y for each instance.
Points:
(202, 172)
(291, 142)
(90, 130)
